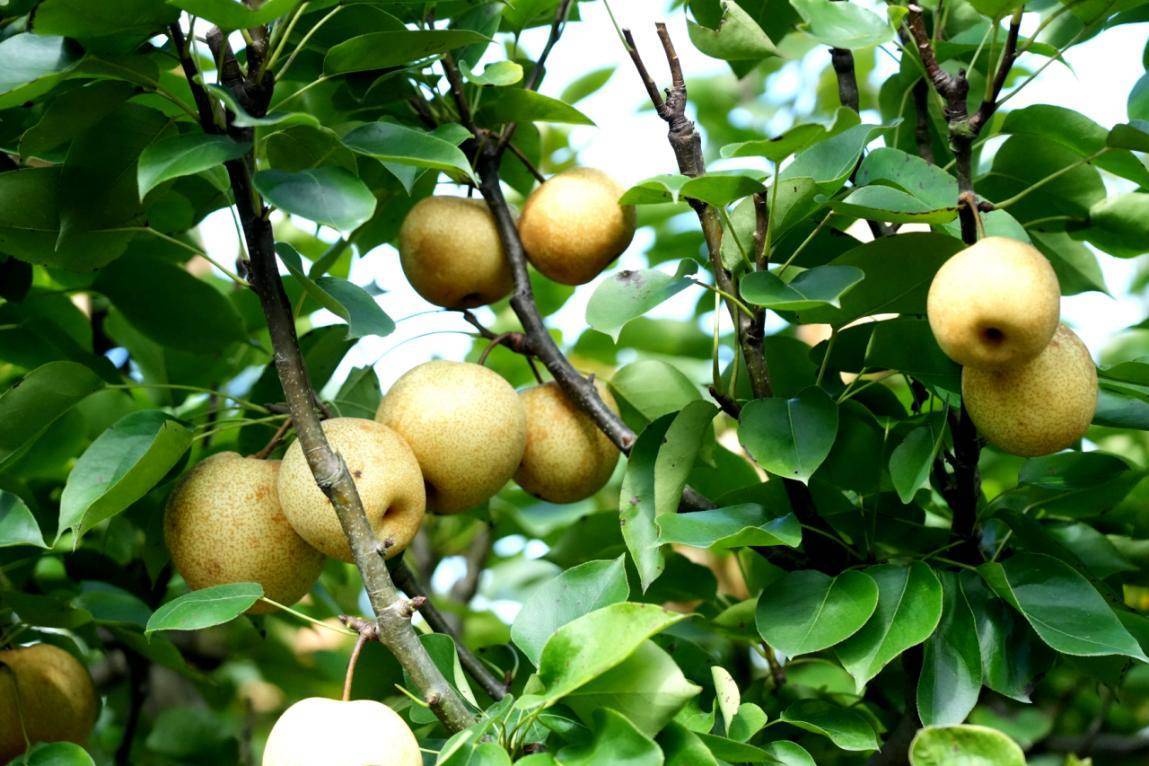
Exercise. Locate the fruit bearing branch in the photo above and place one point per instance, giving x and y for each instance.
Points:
(327, 466)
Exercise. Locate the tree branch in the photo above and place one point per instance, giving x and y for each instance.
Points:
(327, 466)
(843, 61)
(1009, 55)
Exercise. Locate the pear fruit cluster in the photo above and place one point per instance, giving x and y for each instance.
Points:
(1028, 382)
(572, 227)
(46, 695)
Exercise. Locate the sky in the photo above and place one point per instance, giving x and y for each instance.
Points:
(631, 145)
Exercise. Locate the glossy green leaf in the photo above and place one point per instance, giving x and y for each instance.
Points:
(830, 162)
(30, 64)
(843, 25)
(230, 15)
(389, 142)
(682, 747)
(736, 38)
(655, 190)
(1062, 606)
(589, 646)
(518, 105)
(184, 155)
(846, 728)
(648, 688)
(627, 295)
(614, 740)
(497, 73)
(912, 459)
(722, 188)
(112, 26)
(122, 465)
(819, 286)
(964, 746)
(932, 186)
(1078, 133)
(379, 50)
(653, 388)
(17, 524)
(780, 147)
(734, 526)
(242, 119)
(325, 195)
(807, 611)
(950, 681)
(587, 84)
(577, 591)
(884, 203)
(790, 438)
(908, 612)
(205, 608)
(33, 404)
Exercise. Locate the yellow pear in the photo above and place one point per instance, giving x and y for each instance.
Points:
(568, 458)
(466, 426)
(1037, 407)
(224, 524)
(572, 226)
(385, 473)
(46, 693)
(996, 303)
(326, 732)
(450, 251)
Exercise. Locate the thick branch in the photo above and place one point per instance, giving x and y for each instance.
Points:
(327, 466)
(843, 61)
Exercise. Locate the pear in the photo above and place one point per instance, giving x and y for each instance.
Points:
(572, 226)
(1037, 407)
(386, 475)
(224, 524)
(46, 693)
(326, 732)
(994, 304)
(466, 426)
(451, 254)
(568, 458)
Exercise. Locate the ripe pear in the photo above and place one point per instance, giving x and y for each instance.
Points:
(385, 473)
(994, 304)
(572, 226)
(1037, 407)
(326, 732)
(450, 251)
(224, 524)
(568, 458)
(46, 693)
(466, 426)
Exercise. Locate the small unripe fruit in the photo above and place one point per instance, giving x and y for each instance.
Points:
(450, 251)
(224, 524)
(1038, 407)
(325, 732)
(46, 693)
(568, 458)
(466, 426)
(386, 475)
(994, 304)
(572, 226)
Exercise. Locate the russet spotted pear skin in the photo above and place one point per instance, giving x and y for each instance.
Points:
(47, 693)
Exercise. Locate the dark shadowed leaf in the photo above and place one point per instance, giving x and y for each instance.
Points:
(379, 50)
(44, 395)
(17, 524)
(951, 666)
(184, 155)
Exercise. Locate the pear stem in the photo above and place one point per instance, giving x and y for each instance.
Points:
(351, 663)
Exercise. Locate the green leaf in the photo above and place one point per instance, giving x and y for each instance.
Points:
(231, 14)
(33, 404)
(1120, 224)
(1076, 132)
(909, 609)
(722, 188)
(326, 195)
(843, 25)
(655, 190)
(830, 162)
(589, 646)
(925, 182)
(845, 727)
(648, 688)
(586, 85)
(614, 740)
(737, 37)
(682, 747)
(653, 388)
(780, 147)
(819, 286)
(242, 119)
(55, 754)
(964, 746)
(497, 73)
(1011, 654)
(898, 271)
(807, 611)
(169, 305)
(184, 155)
(627, 295)
(17, 524)
(380, 50)
(884, 203)
(205, 608)
(31, 64)
(116, 26)
(734, 526)
(911, 460)
(389, 142)
(577, 591)
(1066, 612)
(790, 438)
(950, 680)
(122, 465)
(518, 105)
(346, 300)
